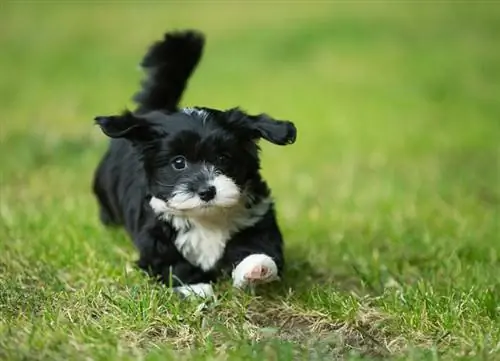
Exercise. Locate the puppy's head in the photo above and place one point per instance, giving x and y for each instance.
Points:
(198, 161)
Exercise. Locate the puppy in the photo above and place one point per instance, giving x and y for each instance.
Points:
(185, 182)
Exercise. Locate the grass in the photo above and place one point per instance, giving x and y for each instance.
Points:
(389, 200)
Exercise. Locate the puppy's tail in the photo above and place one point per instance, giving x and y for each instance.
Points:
(168, 64)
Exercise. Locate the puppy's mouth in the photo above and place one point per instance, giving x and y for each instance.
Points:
(191, 205)
(181, 202)
(186, 203)
(214, 195)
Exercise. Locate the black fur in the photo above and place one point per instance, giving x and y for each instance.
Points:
(148, 145)
(168, 65)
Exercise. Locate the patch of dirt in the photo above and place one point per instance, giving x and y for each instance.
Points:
(317, 332)
(312, 332)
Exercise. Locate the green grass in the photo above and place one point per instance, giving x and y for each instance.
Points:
(389, 199)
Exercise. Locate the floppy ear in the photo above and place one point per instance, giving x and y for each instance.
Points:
(126, 126)
(280, 132)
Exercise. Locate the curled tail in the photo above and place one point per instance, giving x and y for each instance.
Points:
(168, 64)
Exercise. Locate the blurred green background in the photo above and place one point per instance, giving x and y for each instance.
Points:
(391, 191)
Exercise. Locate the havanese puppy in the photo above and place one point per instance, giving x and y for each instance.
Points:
(185, 182)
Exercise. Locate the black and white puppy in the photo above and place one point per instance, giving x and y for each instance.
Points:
(185, 182)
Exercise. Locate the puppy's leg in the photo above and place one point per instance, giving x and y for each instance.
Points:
(255, 256)
(185, 279)
(160, 259)
(256, 268)
(189, 280)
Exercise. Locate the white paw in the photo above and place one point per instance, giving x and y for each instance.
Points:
(203, 290)
(255, 269)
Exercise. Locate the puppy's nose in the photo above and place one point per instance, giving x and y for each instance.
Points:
(206, 193)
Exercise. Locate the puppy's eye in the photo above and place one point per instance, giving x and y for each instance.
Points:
(179, 163)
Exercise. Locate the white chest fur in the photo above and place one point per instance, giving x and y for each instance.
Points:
(202, 245)
(202, 239)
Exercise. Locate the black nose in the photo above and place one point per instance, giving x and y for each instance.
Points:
(206, 193)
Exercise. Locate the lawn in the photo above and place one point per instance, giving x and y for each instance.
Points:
(389, 200)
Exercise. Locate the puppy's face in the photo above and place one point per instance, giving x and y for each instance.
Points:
(198, 161)
(198, 166)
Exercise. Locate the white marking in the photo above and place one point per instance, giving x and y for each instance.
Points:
(203, 234)
(203, 290)
(227, 194)
(159, 206)
(248, 264)
(203, 114)
(203, 243)
(184, 200)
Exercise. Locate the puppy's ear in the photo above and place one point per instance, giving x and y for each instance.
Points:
(280, 132)
(126, 126)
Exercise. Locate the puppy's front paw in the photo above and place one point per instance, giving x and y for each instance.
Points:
(255, 269)
(203, 290)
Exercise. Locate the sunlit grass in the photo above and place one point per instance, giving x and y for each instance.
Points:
(389, 199)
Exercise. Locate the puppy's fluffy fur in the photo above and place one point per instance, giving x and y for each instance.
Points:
(185, 182)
